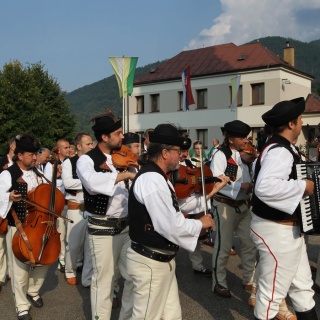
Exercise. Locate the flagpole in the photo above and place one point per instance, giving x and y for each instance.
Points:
(128, 113)
(123, 115)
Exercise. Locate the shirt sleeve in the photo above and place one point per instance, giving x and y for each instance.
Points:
(5, 186)
(273, 186)
(152, 190)
(67, 179)
(95, 182)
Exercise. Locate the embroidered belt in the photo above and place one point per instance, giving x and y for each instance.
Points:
(288, 222)
(146, 252)
(230, 202)
(75, 206)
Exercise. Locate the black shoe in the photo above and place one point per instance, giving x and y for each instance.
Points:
(222, 291)
(79, 269)
(204, 272)
(36, 303)
(62, 268)
(25, 316)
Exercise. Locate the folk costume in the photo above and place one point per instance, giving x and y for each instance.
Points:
(77, 249)
(26, 282)
(108, 232)
(275, 230)
(232, 213)
(193, 207)
(157, 229)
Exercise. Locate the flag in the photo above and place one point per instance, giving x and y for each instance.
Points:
(187, 92)
(124, 68)
(235, 84)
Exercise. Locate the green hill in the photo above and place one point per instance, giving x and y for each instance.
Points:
(92, 99)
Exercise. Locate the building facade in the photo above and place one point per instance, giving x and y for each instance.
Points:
(265, 80)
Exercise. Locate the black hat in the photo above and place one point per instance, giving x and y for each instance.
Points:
(131, 137)
(284, 112)
(106, 125)
(169, 134)
(27, 143)
(237, 128)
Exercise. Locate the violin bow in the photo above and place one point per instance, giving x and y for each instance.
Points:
(45, 209)
(209, 231)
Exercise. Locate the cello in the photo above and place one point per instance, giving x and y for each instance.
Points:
(43, 245)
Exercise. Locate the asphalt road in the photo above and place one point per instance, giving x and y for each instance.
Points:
(66, 302)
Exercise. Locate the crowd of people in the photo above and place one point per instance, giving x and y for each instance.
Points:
(129, 220)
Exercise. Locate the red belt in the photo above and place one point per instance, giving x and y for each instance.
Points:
(287, 222)
(75, 206)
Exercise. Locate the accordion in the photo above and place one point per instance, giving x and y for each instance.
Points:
(310, 206)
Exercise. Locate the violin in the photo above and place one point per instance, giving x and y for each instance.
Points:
(123, 158)
(188, 180)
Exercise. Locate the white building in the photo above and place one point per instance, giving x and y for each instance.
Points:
(265, 80)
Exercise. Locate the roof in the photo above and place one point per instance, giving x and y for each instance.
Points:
(220, 59)
(312, 103)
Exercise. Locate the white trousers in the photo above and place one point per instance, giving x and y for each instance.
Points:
(155, 293)
(3, 258)
(23, 279)
(62, 229)
(107, 252)
(227, 221)
(196, 258)
(284, 268)
(77, 248)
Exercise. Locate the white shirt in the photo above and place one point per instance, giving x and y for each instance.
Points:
(233, 190)
(272, 185)
(104, 183)
(151, 189)
(70, 183)
(48, 170)
(5, 185)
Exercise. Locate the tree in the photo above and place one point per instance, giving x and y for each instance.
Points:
(32, 101)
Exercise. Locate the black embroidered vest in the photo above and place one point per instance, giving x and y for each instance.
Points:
(22, 187)
(261, 209)
(73, 161)
(96, 204)
(140, 224)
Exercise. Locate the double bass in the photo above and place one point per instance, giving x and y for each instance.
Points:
(42, 245)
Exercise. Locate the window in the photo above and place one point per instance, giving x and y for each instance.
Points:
(140, 104)
(155, 103)
(239, 96)
(202, 135)
(180, 101)
(257, 93)
(202, 99)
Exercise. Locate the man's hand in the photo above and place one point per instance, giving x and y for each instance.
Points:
(15, 196)
(309, 187)
(207, 221)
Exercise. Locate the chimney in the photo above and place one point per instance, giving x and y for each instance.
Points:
(288, 54)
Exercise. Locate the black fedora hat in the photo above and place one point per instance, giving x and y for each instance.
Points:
(237, 128)
(130, 137)
(284, 112)
(168, 134)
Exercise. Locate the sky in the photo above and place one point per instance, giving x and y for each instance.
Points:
(73, 39)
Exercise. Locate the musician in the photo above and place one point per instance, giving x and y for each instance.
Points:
(43, 157)
(232, 209)
(146, 141)
(105, 198)
(77, 250)
(133, 141)
(193, 207)
(20, 177)
(6, 162)
(62, 148)
(158, 228)
(275, 230)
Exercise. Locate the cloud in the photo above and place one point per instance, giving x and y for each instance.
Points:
(242, 21)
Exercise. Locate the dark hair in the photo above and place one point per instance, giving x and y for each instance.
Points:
(280, 129)
(153, 153)
(78, 138)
